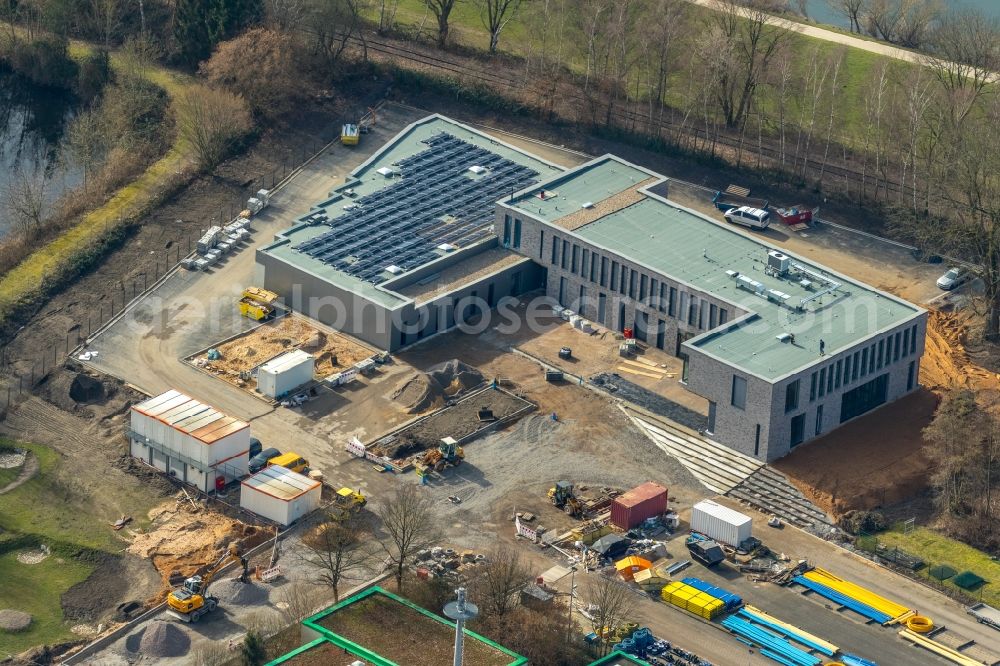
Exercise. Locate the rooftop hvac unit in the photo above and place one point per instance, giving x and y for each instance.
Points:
(778, 262)
(386, 171)
(777, 296)
(394, 269)
(784, 337)
(733, 274)
(447, 247)
(587, 204)
(477, 169)
(748, 283)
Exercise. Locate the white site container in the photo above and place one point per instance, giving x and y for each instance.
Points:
(283, 374)
(189, 440)
(279, 494)
(720, 523)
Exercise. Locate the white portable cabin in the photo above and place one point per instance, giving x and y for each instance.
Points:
(279, 494)
(720, 523)
(189, 440)
(283, 374)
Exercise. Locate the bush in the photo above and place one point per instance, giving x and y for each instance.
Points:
(45, 61)
(259, 66)
(862, 522)
(94, 74)
(211, 123)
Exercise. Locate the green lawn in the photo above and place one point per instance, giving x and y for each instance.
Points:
(854, 78)
(937, 549)
(57, 509)
(36, 589)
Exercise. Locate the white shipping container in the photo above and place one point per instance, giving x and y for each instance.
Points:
(720, 523)
(280, 495)
(283, 374)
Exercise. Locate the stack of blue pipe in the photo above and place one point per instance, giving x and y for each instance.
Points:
(772, 646)
(728, 598)
(844, 600)
(851, 660)
(788, 633)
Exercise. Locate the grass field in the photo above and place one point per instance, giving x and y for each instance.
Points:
(856, 71)
(937, 549)
(50, 508)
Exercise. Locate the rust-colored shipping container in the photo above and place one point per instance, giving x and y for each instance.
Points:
(638, 504)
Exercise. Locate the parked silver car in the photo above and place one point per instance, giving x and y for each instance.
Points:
(954, 278)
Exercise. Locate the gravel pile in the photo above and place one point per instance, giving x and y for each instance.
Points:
(163, 639)
(11, 458)
(232, 591)
(14, 620)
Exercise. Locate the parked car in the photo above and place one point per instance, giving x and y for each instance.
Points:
(292, 461)
(259, 461)
(255, 446)
(954, 278)
(755, 218)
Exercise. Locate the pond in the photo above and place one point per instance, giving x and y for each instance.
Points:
(33, 121)
(821, 11)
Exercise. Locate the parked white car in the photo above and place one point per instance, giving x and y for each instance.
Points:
(755, 218)
(954, 278)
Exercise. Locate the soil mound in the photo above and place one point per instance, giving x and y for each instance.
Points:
(85, 389)
(14, 620)
(428, 390)
(232, 591)
(162, 639)
(454, 376)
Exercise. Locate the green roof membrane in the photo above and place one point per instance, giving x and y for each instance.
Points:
(365, 180)
(691, 248)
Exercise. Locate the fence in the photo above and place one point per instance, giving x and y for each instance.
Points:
(20, 375)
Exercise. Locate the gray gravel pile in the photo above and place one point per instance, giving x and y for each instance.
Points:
(232, 591)
(164, 639)
(14, 620)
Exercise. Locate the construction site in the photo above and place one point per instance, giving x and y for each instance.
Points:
(489, 365)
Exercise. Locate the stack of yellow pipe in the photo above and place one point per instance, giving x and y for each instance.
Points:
(692, 600)
(858, 593)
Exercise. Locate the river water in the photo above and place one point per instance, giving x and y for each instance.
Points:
(33, 121)
(821, 12)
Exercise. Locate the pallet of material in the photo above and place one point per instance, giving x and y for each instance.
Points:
(948, 653)
(622, 368)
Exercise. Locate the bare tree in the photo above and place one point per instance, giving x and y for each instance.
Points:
(336, 551)
(334, 23)
(614, 606)
(851, 9)
(105, 18)
(442, 13)
(965, 58)
(210, 122)
(259, 66)
(498, 583)
(386, 15)
(286, 15)
(496, 14)
(738, 48)
(26, 201)
(903, 22)
(408, 525)
(299, 600)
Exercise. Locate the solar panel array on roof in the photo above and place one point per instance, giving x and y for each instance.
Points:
(432, 201)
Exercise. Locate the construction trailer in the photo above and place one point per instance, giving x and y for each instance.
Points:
(720, 523)
(634, 507)
(189, 440)
(283, 374)
(280, 495)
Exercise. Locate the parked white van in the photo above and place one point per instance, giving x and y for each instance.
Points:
(755, 218)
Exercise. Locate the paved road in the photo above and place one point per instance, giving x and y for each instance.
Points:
(881, 48)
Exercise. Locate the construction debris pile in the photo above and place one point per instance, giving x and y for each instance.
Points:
(424, 391)
(446, 562)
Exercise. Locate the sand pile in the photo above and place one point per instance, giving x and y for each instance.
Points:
(946, 362)
(161, 639)
(428, 390)
(231, 591)
(14, 620)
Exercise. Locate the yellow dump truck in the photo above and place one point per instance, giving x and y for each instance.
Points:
(257, 303)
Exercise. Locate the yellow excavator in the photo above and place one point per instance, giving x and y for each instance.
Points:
(190, 601)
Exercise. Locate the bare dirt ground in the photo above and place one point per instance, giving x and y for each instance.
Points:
(333, 351)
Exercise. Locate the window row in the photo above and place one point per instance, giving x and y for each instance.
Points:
(618, 278)
(862, 363)
(507, 223)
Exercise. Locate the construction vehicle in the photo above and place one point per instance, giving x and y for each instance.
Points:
(447, 454)
(190, 601)
(562, 496)
(350, 134)
(257, 303)
(347, 502)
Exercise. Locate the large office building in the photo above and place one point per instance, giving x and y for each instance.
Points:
(783, 349)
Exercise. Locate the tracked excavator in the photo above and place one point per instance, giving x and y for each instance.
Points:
(190, 601)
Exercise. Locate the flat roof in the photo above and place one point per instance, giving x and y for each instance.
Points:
(281, 482)
(670, 239)
(470, 269)
(287, 360)
(367, 180)
(194, 418)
